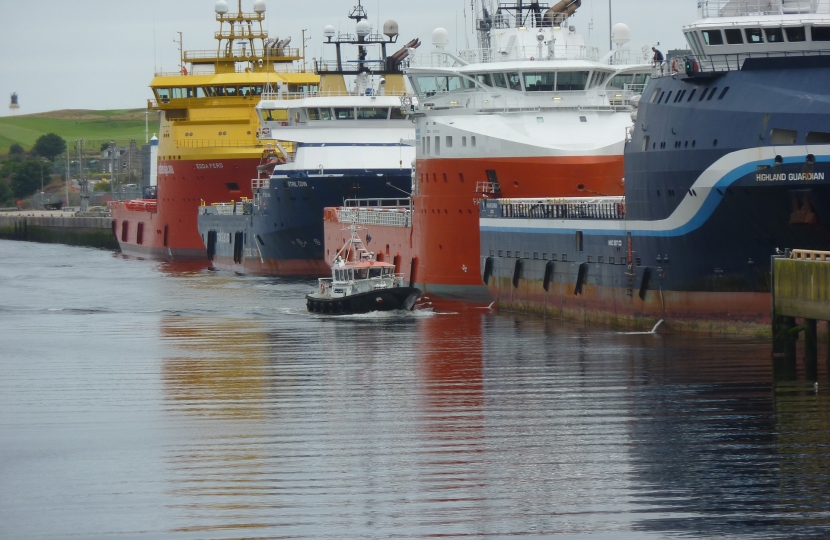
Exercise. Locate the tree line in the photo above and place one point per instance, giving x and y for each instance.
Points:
(20, 174)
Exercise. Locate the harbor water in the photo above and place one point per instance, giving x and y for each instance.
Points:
(151, 400)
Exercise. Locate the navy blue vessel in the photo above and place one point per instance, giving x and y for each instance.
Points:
(727, 164)
(345, 142)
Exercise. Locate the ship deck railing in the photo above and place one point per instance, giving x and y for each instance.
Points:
(562, 208)
(244, 207)
(215, 143)
(234, 56)
(734, 62)
(731, 8)
(484, 55)
(611, 99)
(388, 212)
(810, 255)
(275, 96)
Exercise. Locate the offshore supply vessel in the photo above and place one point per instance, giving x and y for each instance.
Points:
(727, 164)
(208, 146)
(344, 142)
(533, 111)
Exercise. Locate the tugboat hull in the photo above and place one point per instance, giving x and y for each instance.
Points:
(397, 298)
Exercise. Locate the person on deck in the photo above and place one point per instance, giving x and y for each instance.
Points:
(657, 60)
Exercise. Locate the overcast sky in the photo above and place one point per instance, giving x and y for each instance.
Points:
(96, 54)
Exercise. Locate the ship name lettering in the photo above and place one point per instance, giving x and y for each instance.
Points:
(209, 165)
(795, 177)
(781, 177)
(165, 169)
(615, 243)
(296, 183)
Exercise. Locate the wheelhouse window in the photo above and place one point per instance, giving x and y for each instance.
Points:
(795, 34)
(448, 84)
(774, 35)
(712, 37)
(540, 81)
(274, 115)
(372, 113)
(397, 114)
(325, 114)
(250, 91)
(598, 78)
(313, 114)
(821, 33)
(484, 78)
(499, 80)
(163, 94)
(427, 85)
(571, 80)
(344, 113)
(514, 82)
(754, 35)
(734, 36)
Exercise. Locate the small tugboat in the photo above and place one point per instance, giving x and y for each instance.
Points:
(359, 283)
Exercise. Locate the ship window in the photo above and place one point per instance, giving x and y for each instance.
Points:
(753, 35)
(571, 80)
(796, 34)
(468, 84)
(449, 142)
(217, 91)
(313, 114)
(725, 90)
(232, 186)
(655, 95)
(428, 150)
(231, 91)
(703, 95)
(579, 244)
(610, 260)
(540, 82)
(372, 113)
(125, 227)
(499, 80)
(712, 94)
(645, 142)
(427, 85)
(712, 37)
(325, 114)
(374, 272)
(448, 84)
(783, 136)
(397, 114)
(256, 90)
(734, 36)
(344, 113)
(437, 145)
(774, 35)
(463, 141)
(564, 257)
(492, 177)
(200, 92)
(473, 141)
(513, 81)
(509, 254)
(163, 94)
(485, 79)
(177, 93)
(691, 95)
(818, 137)
(501, 253)
(821, 33)
(668, 98)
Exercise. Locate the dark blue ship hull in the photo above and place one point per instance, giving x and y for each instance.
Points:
(714, 188)
(283, 232)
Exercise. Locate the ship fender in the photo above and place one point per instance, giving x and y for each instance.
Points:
(548, 276)
(517, 273)
(488, 270)
(580, 278)
(644, 282)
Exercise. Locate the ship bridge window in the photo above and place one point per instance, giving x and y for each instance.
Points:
(734, 36)
(249, 91)
(375, 272)
(774, 35)
(325, 114)
(712, 37)
(754, 35)
(571, 80)
(274, 115)
(783, 136)
(448, 84)
(499, 80)
(231, 91)
(796, 34)
(821, 33)
(372, 113)
(397, 114)
(598, 78)
(540, 82)
(818, 137)
(313, 114)
(485, 79)
(514, 82)
(217, 91)
(163, 94)
(344, 113)
(427, 86)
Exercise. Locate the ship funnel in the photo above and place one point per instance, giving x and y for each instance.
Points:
(559, 13)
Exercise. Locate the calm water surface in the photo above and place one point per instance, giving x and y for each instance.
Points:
(147, 400)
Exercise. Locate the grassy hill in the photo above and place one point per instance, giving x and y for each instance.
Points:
(94, 126)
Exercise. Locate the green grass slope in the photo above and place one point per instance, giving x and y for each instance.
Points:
(94, 126)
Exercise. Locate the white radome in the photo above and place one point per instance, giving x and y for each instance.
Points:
(329, 31)
(363, 28)
(221, 7)
(390, 28)
(259, 6)
(620, 34)
(440, 37)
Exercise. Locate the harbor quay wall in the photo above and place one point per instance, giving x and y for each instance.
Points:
(70, 230)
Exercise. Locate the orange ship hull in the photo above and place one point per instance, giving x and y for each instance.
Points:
(442, 248)
(168, 228)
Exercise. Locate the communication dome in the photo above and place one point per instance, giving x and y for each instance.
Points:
(259, 6)
(620, 34)
(440, 37)
(328, 31)
(363, 28)
(221, 7)
(390, 28)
